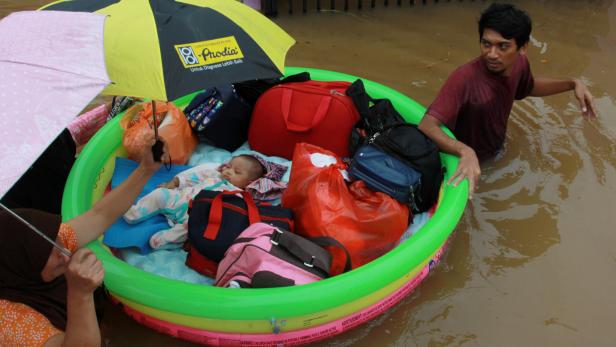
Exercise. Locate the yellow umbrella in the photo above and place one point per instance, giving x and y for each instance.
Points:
(164, 49)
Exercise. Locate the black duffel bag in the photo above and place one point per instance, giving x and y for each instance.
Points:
(251, 90)
(215, 219)
(382, 125)
(408, 143)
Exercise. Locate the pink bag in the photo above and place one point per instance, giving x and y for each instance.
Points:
(264, 256)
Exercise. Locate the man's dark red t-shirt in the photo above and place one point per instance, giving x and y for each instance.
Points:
(475, 103)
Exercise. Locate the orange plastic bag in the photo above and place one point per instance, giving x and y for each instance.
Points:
(367, 223)
(173, 129)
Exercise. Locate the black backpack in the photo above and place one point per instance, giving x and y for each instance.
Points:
(220, 117)
(383, 126)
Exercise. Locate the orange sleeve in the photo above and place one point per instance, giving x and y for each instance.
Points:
(21, 325)
(67, 236)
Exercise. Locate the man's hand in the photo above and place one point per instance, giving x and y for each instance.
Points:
(582, 94)
(545, 86)
(84, 272)
(468, 167)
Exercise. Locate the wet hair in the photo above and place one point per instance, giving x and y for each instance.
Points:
(256, 168)
(507, 20)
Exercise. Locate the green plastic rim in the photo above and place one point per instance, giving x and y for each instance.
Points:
(93, 169)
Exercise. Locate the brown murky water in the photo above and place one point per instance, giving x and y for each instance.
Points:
(533, 261)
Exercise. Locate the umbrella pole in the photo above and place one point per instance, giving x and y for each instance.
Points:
(63, 250)
(157, 149)
(155, 123)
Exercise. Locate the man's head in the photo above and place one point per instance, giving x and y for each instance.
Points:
(242, 170)
(504, 31)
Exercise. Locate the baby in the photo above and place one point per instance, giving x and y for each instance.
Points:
(244, 172)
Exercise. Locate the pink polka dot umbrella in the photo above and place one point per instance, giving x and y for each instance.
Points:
(51, 66)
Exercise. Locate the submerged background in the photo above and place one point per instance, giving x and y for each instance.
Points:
(533, 260)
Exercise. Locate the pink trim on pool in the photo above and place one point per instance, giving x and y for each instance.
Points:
(289, 338)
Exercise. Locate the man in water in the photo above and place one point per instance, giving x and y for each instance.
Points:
(475, 101)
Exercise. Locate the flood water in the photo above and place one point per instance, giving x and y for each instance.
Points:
(533, 260)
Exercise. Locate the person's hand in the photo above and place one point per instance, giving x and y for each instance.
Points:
(84, 272)
(468, 167)
(147, 158)
(585, 98)
(174, 183)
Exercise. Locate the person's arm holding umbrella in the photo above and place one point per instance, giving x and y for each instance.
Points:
(93, 223)
(32, 273)
(84, 273)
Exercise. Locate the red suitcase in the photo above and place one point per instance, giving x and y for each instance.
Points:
(314, 112)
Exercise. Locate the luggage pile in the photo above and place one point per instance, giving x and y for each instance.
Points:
(360, 172)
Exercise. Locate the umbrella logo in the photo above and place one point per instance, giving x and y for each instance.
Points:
(188, 55)
(197, 54)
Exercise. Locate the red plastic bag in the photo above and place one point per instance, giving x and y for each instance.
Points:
(173, 129)
(367, 223)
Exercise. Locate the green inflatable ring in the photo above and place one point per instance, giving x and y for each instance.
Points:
(253, 311)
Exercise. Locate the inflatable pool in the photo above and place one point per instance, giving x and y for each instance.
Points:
(251, 317)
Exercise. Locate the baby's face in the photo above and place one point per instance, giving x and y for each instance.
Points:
(239, 172)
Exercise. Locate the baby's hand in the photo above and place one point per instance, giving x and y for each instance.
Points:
(174, 183)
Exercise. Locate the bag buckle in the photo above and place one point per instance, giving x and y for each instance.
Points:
(412, 201)
(373, 137)
(275, 236)
(311, 264)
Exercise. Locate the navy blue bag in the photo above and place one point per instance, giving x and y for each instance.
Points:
(219, 116)
(385, 173)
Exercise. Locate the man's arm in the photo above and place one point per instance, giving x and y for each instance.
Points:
(545, 86)
(468, 166)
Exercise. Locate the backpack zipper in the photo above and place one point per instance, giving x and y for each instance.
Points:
(392, 146)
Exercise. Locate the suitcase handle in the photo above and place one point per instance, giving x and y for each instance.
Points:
(215, 218)
(319, 115)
